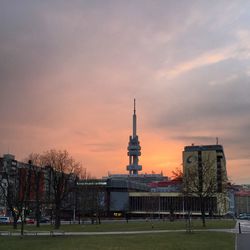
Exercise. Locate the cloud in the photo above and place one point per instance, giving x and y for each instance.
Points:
(203, 60)
(240, 50)
(101, 147)
(70, 70)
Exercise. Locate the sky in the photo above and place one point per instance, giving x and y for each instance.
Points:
(69, 71)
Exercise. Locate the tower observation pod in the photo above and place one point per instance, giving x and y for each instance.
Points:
(134, 149)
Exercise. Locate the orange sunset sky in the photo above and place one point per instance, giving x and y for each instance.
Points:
(69, 71)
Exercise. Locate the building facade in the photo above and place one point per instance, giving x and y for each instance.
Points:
(205, 166)
(242, 202)
(19, 184)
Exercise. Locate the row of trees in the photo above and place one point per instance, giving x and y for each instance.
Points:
(54, 170)
(62, 173)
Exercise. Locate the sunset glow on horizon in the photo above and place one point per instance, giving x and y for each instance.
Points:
(71, 69)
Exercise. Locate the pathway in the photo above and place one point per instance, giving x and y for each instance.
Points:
(57, 233)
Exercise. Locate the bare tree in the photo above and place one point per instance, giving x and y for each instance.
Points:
(82, 200)
(63, 171)
(177, 174)
(8, 190)
(97, 203)
(200, 181)
(14, 185)
(92, 199)
(36, 165)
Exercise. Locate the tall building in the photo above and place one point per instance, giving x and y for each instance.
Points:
(134, 149)
(207, 164)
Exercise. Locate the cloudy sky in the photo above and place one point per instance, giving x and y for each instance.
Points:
(69, 71)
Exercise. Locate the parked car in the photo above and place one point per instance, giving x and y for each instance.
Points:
(244, 217)
(5, 220)
(44, 220)
(27, 221)
(30, 221)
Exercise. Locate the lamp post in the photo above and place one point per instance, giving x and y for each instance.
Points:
(22, 221)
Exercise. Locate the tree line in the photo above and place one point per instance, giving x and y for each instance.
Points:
(47, 179)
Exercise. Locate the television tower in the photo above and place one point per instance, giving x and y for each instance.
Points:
(134, 149)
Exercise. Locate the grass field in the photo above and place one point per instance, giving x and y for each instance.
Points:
(164, 241)
(131, 226)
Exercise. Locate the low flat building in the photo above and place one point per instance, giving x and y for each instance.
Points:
(160, 204)
(242, 202)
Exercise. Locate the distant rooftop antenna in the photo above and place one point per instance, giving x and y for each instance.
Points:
(134, 106)
(217, 140)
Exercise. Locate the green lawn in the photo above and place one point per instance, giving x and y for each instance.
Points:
(131, 226)
(164, 241)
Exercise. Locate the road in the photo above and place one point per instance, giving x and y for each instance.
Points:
(243, 239)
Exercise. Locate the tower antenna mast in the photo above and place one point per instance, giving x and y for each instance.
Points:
(134, 106)
(134, 148)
